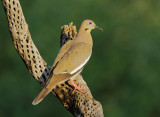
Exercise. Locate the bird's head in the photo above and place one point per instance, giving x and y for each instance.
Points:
(88, 25)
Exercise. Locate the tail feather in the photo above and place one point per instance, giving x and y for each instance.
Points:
(41, 96)
(55, 80)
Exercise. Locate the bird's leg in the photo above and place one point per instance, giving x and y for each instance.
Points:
(77, 87)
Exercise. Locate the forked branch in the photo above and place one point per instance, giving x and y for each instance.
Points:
(80, 105)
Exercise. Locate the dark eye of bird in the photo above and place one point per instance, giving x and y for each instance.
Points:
(90, 22)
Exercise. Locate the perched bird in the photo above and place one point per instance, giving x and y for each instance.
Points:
(70, 60)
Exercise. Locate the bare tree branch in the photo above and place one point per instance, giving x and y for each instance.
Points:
(80, 105)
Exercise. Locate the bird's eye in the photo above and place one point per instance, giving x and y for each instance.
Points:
(90, 22)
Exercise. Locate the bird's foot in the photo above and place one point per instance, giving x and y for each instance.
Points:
(82, 90)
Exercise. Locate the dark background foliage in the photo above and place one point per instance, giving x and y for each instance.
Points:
(124, 70)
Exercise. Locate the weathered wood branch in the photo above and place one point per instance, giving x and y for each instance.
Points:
(80, 105)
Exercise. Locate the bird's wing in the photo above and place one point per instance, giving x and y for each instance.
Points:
(66, 67)
(74, 59)
(62, 51)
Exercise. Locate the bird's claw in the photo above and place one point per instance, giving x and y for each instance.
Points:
(82, 90)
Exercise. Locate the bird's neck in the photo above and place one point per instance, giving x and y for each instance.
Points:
(84, 36)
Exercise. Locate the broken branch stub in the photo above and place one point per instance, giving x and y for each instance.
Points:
(79, 104)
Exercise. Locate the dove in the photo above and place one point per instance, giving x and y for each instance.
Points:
(70, 61)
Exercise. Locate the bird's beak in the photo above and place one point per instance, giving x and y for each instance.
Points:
(99, 28)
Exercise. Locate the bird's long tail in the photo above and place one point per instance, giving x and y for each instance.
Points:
(56, 80)
(41, 96)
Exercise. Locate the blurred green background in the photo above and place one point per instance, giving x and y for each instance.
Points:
(124, 70)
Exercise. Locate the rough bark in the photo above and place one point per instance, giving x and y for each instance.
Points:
(79, 104)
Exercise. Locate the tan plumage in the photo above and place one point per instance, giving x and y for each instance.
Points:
(71, 59)
(57, 79)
